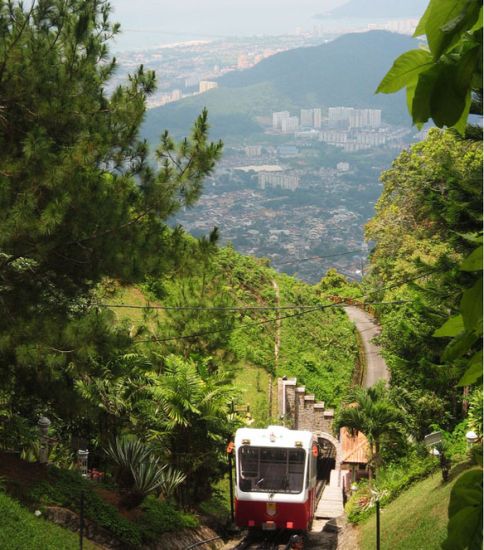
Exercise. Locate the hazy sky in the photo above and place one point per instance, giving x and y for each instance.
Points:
(147, 23)
(169, 21)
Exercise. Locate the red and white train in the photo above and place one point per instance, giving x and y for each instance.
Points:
(276, 478)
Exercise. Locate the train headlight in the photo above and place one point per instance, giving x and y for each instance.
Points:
(245, 441)
(298, 443)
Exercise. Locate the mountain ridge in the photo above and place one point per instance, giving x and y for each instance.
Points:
(302, 77)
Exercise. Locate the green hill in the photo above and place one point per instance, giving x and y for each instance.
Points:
(343, 72)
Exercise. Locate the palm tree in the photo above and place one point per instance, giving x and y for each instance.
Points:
(369, 411)
(192, 421)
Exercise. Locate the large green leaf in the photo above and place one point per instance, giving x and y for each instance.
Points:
(405, 70)
(442, 13)
(461, 124)
(452, 327)
(474, 372)
(464, 530)
(450, 94)
(473, 262)
(420, 108)
(460, 345)
(410, 95)
(471, 307)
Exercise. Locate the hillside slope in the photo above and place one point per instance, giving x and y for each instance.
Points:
(417, 519)
(317, 346)
(21, 530)
(344, 72)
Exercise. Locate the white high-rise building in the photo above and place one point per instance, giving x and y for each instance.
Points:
(374, 118)
(289, 125)
(339, 113)
(284, 181)
(307, 118)
(317, 118)
(277, 119)
(206, 85)
(365, 118)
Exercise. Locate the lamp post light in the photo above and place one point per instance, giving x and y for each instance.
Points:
(82, 461)
(471, 437)
(43, 425)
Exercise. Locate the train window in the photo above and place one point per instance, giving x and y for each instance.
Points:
(249, 462)
(271, 470)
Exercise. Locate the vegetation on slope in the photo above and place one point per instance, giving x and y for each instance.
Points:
(21, 530)
(317, 346)
(417, 519)
(431, 200)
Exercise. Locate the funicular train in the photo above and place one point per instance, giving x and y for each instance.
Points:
(276, 477)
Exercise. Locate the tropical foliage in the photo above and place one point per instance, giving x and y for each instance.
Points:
(441, 78)
(444, 83)
(370, 411)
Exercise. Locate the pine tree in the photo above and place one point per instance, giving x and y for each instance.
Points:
(81, 197)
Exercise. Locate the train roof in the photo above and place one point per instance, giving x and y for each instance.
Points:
(273, 436)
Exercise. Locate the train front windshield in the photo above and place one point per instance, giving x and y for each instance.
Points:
(271, 470)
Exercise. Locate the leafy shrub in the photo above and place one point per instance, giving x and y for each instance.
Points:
(162, 517)
(391, 481)
(475, 413)
(455, 443)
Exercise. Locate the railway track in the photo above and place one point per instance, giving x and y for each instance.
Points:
(276, 540)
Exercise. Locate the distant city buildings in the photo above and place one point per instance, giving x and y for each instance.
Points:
(277, 119)
(354, 118)
(176, 95)
(206, 85)
(283, 181)
(365, 118)
(287, 124)
(290, 124)
(243, 61)
(253, 150)
(346, 127)
(317, 120)
(335, 114)
(400, 26)
(307, 118)
(192, 82)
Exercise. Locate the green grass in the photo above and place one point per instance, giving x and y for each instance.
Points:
(253, 384)
(416, 520)
(134, 296)
(21, 530)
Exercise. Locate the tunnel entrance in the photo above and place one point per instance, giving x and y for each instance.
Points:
(326, 460)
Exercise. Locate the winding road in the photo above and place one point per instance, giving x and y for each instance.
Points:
(376, 368)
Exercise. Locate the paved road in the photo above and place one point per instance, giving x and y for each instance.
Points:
(376, 368)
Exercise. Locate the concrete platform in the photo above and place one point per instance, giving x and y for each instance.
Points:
(330, 504)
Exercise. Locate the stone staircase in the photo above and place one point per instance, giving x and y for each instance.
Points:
(302, 409)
